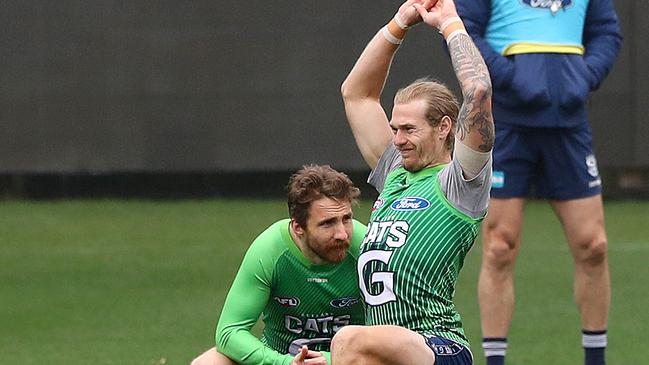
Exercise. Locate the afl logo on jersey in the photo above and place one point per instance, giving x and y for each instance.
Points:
(343, 302)
(287, 302)
(410, 203)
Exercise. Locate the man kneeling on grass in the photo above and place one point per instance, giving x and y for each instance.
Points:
(300, 274)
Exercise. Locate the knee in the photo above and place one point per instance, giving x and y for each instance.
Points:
(346, 345)
(591, 252)
(345, 338)
(198, 360)
(209, 357)
(500, 246)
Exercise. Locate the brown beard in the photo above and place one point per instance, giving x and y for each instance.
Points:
(328, 254)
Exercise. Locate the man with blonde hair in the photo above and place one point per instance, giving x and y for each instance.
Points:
(430, 205)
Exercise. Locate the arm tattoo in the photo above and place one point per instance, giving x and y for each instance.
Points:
(475, 114)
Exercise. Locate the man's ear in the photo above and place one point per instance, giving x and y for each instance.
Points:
(297, 228)
(445, 126)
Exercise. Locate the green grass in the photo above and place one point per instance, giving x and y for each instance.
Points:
(546, 326)
(131, 282)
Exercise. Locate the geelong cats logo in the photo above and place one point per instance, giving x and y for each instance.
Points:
(553, 5)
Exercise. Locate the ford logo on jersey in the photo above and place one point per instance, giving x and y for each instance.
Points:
(343, 302)
(410, 203)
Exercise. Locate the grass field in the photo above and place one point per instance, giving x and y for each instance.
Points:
(131, 282)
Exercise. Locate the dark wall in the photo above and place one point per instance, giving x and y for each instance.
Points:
(184, 86)
(619, 110)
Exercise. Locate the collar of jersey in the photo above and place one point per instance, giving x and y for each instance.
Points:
(297, 253)
(411, 177)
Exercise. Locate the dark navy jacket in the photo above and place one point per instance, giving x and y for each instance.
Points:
(543, 89)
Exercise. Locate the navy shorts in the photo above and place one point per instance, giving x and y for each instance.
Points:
(449, 352)
(557, 163)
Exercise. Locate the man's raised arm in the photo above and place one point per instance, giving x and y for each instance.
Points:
(362, 88)
(475, 126)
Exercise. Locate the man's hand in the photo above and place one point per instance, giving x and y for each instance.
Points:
(438, 13)
(308, 357)
(408, 14)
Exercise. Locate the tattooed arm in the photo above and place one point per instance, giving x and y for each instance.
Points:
(475, 126)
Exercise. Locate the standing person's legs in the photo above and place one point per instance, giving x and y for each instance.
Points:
(573, 185)
(583, 223)
(501, 243)
(515, 168)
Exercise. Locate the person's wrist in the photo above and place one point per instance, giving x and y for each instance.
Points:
(393, 31)
(448, 21)
(451, 25)
(400, 22)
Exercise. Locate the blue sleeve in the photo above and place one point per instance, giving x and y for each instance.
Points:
(476, 14)
(602, 40)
